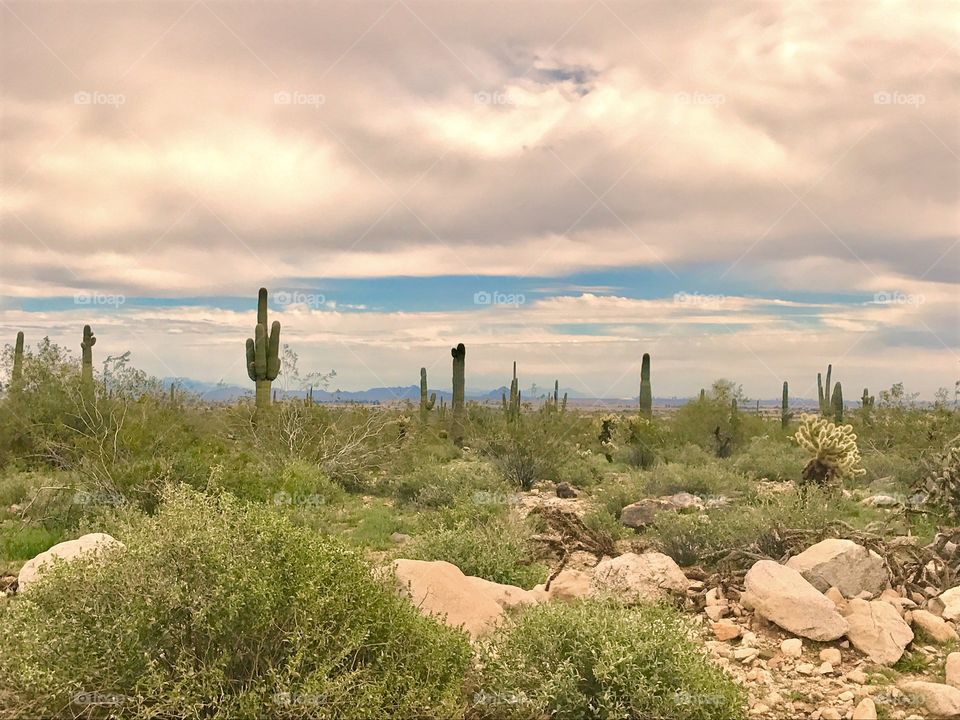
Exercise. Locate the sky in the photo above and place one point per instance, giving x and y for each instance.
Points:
(748, 190)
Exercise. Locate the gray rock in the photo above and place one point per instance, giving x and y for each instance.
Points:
(877, 630)
(842, 564)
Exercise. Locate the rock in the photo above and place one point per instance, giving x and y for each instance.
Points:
(566, 491)
(877, 630)
(439, 588)
(887, 501)
(952, 669)
(836, 597)
(825, 669)
(857, 676)
(829, 714)
(570, 584)
(399, 538)
(781, 595)
(745, 654)
(934, 626)
(650, 576)
(865, 710)
(65, 551)
(642, 513)
(792, 647)
(805, 668)
(685, 502)
(715, 612)
(941, 701)
(830, 655)
(725, 630)
(951, 603)
(842, 564)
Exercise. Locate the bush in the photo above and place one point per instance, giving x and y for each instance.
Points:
(711, 479)
(492, 546)
(221, 610)
(770, 458)
(594, 659)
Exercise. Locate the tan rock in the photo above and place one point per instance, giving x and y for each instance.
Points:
(941, 701)
(725, 630)
(842, 564)
(857, 676)
(781, 595)
(67, 551)
(792, 647)
(935, 627)
(830, 714)
(836, 597)
(830, 655)
(952, 668)
(951, 603)
(570, 584)
(440, 589)
(865, 710)
(715, 612)
(649, 576)
(877, 630)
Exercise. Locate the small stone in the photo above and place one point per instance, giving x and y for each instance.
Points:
(749, 639)
(565, 491)
(845, 696)
(745, 654)
(865, 710)
(836, 596)
(857, 676)
(829, 714)
(805, 669)
(830, 655)
(825, 669)
(759, 709)
(715, 612)
(792, 647)
(725, 630)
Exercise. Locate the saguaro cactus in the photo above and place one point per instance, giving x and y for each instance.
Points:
(86, 366)
(513, 407)
(459, 354)
(263, 353)
(837, 403)
(425, 405)
(785, 406)
(646, 394)
(17, 359)
(823, 393)
(866, 400)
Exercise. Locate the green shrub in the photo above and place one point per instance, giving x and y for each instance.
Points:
(710, 479)
(592, 659)
(487, 545)
(692, 538)
(221, 610)
(24, 542)
(771, 458)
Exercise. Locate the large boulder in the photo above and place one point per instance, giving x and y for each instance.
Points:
(842, 564)
(782, 596)
(440, 589)
(934, 626)
(65, 551)
(951, 603)
(649, 576)
(877, 630)
(570, 584)
(941, 701)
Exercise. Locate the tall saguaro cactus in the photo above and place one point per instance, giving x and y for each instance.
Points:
(823, 393)
(459, 354)
(866, 400)
(785, 406)
(425, 405)
(513, 409)
(646, 394)
(86, 365)
(263, 353)
(837, 403)
(17, 360)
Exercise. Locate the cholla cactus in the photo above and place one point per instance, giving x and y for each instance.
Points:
(834, 448)
(941, 487)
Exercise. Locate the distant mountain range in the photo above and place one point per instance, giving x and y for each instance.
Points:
(217, 392)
